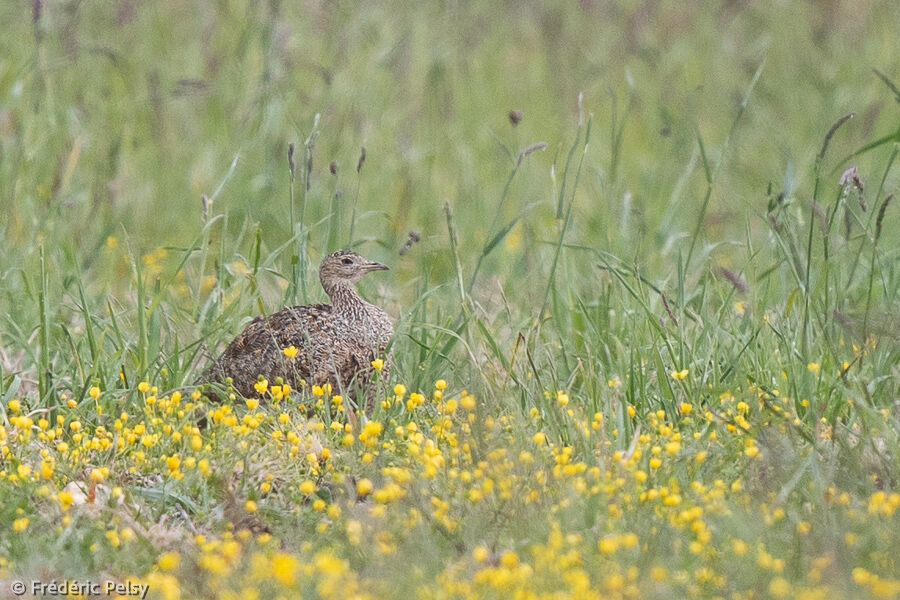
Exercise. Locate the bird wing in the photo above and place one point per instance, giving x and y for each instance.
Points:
(259, 349)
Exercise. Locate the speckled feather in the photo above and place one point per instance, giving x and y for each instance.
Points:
(337, 342)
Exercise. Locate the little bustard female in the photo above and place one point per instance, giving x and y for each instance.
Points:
(336, 343)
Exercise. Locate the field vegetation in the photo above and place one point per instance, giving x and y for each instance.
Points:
(647, 333)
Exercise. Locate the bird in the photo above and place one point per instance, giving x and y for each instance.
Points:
(335, 343)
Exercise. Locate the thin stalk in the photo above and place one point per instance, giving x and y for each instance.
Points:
(359, 166)
(493, 240)
(309, 144)
(44, 374)
(295, 259)
(564, 225)
(712, 176)
(880, 218)
(812, 220)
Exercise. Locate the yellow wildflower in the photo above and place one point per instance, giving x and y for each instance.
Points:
(285, 568)
(65, 499)
(364, 487)
(261, 386)
(168, 561)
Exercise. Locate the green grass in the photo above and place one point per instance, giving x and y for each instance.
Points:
(658, 262)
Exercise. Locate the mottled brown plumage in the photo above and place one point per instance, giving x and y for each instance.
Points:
(337, 342)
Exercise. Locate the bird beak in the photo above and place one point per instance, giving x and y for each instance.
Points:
(376, 266)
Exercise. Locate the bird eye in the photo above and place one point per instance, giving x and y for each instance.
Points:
(347, 261)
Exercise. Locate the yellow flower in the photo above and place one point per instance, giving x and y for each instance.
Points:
(685, 408)
(285, 568)
(291, 351)
(509, 559)
(607, 546)
(66, 499)
(19, 525)
(261, 386)
(480, 554)
(814, 367)
(378, 364)
(562, 398)
(168, 561)
(173, 462)
(779, 588)
(252, 403)
(440, 384)
(250, 506)
(364, 487)
(399, 389)
(143, 387)
(307, 487)
(354, 532)
(680, 375)
(94, 392)
(14, 405)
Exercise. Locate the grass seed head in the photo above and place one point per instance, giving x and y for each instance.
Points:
(291, 160)
(881, 212)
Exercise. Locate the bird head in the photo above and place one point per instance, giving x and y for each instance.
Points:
(346, 266)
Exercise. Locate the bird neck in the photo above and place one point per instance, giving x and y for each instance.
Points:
(344, 296)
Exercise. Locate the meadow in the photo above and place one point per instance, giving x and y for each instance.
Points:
(644, 276)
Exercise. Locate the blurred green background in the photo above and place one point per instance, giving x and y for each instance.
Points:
(116, 117)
